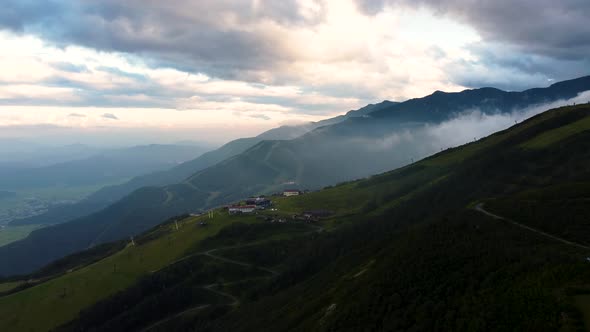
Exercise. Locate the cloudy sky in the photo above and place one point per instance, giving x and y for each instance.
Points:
(213, 70)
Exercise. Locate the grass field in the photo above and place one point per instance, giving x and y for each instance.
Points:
(341, 199)
(59, 300)
(558, 134)
(10, 234)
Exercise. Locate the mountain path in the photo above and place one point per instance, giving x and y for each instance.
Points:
(479, 208)
(211, 287)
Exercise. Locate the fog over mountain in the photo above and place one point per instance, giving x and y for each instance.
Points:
(465, 127)
(391, 135)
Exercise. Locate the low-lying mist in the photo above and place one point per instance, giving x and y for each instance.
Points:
(386, 146)
(464, 127)
(476, 124)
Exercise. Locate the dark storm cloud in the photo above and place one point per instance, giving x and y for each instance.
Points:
(509, 68)
(546, 27)
(18, 14)
(203, 36)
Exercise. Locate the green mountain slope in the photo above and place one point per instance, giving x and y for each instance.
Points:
(233, 148)
(409, 250)
(354, 148)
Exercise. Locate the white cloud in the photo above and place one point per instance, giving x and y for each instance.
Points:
(463, 128)
(288, 61)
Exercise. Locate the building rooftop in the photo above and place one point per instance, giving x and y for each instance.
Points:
(242, 207)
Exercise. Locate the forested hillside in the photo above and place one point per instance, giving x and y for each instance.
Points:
(442, 244)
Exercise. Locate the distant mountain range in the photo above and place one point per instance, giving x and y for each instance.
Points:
(103, 167)
(111, 194)
(33, 154)
(382, 137)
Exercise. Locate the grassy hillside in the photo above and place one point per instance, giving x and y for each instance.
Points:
(404, 250)
(355, 148)
(56, 301)
(430, 262)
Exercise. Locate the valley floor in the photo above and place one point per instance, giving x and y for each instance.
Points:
(9, 234)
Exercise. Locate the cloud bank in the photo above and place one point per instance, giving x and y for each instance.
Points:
(524, 42)
(464, 128)
(544, 27)
(275, 61)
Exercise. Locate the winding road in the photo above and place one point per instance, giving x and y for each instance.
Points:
(479, 208)
(212, 287)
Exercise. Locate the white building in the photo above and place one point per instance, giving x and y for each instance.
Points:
(235, 209)
(291, 192)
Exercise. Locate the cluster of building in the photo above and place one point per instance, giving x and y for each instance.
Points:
(251, 205)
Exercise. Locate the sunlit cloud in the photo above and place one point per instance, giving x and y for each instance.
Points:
(271, 62)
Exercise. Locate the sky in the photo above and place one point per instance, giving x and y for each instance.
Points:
(149, 71)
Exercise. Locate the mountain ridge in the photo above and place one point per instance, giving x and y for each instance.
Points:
(316, 159)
